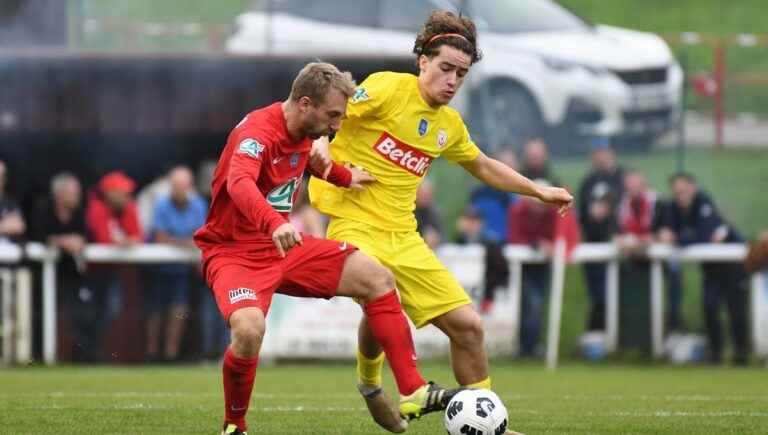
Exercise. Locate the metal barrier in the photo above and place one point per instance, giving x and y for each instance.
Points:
(466, 262)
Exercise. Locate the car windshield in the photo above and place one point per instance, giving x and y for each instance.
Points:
(513, 16)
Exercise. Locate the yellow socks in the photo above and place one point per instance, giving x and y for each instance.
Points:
(485, 384)
(369, 370)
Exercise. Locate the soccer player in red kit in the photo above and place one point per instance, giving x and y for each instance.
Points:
(250, 250)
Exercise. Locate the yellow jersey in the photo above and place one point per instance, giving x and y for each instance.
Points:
(391, 132)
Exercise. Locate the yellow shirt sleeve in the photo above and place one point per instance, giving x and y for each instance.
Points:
(372, 95)
(463, 149)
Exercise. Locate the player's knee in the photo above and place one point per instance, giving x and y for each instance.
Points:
(247, 334)
(381, 281)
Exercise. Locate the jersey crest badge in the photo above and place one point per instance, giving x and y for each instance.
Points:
(442, 138)
(250, 147)
(423, 126)
(294, 160)
(360, 95)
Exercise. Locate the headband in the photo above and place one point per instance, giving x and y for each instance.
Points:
(445, 35)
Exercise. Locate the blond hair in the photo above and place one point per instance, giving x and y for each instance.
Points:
(316, 79)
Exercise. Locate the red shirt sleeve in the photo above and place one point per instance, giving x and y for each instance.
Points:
(339, 175)
(244, 169)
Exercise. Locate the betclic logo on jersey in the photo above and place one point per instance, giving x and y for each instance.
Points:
(403, 155)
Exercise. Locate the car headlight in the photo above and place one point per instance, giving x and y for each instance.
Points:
(567, 66)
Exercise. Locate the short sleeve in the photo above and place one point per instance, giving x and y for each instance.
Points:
(463, 149)
(372, 96)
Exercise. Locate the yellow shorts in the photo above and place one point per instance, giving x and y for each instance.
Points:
(427, 289)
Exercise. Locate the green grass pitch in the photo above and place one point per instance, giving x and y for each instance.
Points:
(321, 399)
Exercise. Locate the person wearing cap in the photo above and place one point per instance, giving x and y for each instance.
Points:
(111, 217)
(599, 194)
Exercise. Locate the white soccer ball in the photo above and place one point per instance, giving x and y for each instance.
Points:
(476, 412)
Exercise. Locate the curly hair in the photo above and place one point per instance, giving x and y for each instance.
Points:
(445, 28)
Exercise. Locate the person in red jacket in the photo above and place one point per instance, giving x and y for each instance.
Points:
(111, 217)
(534, 223)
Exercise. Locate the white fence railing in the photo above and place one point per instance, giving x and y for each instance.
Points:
(466, 262)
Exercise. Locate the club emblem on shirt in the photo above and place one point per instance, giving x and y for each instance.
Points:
(360, 95)
(295, 160)
(423, 125)
(442, 138)
(250, 147)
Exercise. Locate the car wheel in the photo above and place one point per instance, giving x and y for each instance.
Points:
(506, 114)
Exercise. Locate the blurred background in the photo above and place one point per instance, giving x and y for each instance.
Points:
(137, 98)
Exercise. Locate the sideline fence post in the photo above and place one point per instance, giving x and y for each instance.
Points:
(556, 303)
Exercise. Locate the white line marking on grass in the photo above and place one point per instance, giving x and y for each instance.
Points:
(716, 414)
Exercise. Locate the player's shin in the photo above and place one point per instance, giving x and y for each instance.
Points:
(238, 375)
(390, 327)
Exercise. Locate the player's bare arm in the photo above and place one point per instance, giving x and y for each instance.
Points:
(497, 174)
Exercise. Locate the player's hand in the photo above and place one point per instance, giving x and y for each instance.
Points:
(360, 177)
(557, 196)
(320, 157)
(285, 237)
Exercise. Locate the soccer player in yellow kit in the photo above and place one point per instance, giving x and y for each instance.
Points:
(396, 125)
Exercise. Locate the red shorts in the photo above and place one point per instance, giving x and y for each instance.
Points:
(311, 270)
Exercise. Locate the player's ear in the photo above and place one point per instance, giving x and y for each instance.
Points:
(304, 103)
(423, 62)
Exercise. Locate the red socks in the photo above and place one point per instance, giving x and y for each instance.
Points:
(390, 327)
(239, 374)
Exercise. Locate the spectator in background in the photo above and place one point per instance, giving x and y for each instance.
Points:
(536, 162)
(112, 218)
(640, 216)
(599, 194)
(176, 217)
(533, 223)
(470, 230)
(695, 219)
(427, 214)
(60, 222)
(12, 224)
(493, 204)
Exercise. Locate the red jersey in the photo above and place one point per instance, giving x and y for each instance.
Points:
(256, 182)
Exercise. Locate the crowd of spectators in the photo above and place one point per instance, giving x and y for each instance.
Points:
(90, 295)
(614, 204)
